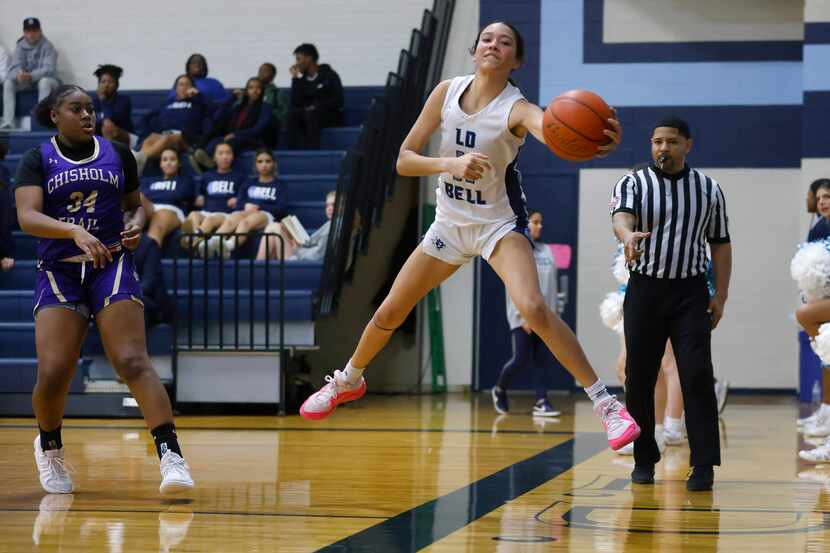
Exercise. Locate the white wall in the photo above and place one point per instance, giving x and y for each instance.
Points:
(755, 345)
(151, 39)
(702, 20)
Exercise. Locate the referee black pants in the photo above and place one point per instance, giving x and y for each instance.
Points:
(654, 311)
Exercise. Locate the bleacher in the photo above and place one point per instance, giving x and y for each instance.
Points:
(308, 175)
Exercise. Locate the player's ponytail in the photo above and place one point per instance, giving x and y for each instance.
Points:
(43, 111)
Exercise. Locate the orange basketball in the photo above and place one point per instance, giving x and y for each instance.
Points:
(573, 124)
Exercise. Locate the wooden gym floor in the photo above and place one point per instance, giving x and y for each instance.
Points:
(396, 473)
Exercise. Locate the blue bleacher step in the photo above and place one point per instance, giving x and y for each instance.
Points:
(290, 162)
(299, 305)
(18, 375)
(17, 340)
(298, 274)
(332, 138)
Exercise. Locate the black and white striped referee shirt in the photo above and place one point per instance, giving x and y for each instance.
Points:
(683, 212)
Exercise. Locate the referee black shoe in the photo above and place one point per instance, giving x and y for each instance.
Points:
(701, 479)
(643, 474)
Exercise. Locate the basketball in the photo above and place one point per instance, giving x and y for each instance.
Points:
(573, 124)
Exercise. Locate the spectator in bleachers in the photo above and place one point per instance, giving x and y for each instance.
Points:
(113, 111)
(33, 64)
(316, 99)
(217, 197)
(166, 199)
(6, 241)
(215, 94)
(314, 249)
(261, 201)
(177, 123)
(277, 99)
(242, 125)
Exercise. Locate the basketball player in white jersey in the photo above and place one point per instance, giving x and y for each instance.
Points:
(484, 119)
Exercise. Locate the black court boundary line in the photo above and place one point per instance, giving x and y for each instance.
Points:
(204, 513)
(434, 520)
(305, 429)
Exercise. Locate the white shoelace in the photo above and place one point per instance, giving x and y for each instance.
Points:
(611, 417)
(60, 466)
(331, 389)
(175, 463)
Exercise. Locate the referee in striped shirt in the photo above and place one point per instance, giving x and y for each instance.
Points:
(665, 214)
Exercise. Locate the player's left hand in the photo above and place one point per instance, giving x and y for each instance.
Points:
(7, 263)
(130, 236)
(716, 304)
(615, 134)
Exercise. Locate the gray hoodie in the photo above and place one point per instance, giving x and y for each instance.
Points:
(39, 59)
(546, 267)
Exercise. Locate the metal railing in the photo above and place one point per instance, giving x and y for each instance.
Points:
(367, 175)
(212, 318)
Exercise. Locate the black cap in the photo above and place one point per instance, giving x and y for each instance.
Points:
(31, 24)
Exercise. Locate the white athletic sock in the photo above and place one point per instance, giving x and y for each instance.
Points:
(673, 425)
(597, 392)
(658, 428)
(230, 244)
(352, 373)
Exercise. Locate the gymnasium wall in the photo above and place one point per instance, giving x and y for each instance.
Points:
(152, 39)
(751, 77)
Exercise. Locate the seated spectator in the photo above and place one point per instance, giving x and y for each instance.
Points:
(314, 249)
(261, 201)
(277, 99)
(216, 199)
(166, 199)
(6, 241)
(176, 124)
(33, 64)
(215, 94)
(316, 99)
(242, 125)
(821, 194)
(113, 111)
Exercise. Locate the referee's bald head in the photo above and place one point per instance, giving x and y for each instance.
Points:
(674, 122)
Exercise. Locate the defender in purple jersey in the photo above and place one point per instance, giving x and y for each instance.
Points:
(79, 195)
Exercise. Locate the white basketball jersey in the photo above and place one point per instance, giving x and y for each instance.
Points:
(498, 195)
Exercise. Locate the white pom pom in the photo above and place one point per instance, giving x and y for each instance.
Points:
(620, 268)
(810, 268)
(611, 311)
(821, 343)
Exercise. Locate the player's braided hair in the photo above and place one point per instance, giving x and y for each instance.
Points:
(43, 111)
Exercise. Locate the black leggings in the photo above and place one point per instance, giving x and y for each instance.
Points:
(527, 350)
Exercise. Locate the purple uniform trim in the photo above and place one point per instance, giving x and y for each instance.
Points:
(78, 283)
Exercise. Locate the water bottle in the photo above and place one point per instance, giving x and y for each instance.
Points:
(816, 395)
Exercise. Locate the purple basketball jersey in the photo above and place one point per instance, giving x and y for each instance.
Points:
(86, 193)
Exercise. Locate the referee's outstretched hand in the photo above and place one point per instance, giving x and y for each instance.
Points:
(632, 246)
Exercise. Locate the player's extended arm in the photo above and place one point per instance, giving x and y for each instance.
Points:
(528, 117)
(412, 164)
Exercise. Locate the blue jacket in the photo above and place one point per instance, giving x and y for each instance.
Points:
(253, 126)
(119, 109)
(213, 90)
(189, 116)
